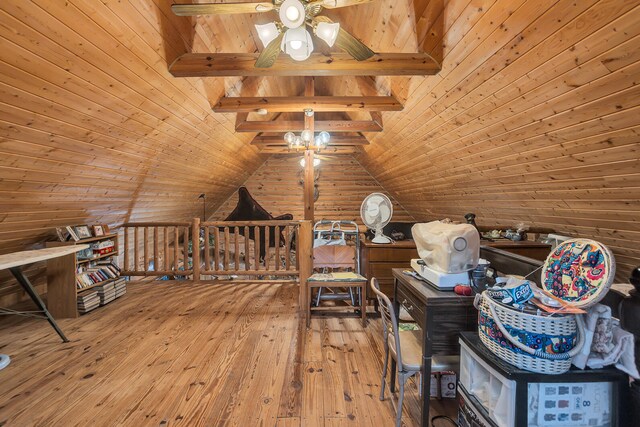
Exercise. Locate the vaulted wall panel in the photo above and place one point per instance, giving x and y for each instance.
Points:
(93, 129)
(533, 118)
(342, 186)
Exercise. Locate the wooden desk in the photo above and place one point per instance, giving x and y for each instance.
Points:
(441, 315)
(15, 260)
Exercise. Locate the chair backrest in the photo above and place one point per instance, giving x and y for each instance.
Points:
(334, 256)
(389, 321)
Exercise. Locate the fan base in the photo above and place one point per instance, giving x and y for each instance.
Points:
(381, 239)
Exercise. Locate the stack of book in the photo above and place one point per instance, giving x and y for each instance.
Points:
(88, 301)
(106, 292)
(96, 273)
(121, 287)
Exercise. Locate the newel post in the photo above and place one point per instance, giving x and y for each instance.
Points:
(305, 264)
(195, 248)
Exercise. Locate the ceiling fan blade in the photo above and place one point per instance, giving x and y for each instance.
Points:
(334, 4)
(353, 46)
(220, 8)
(270, 53)
(348, 43)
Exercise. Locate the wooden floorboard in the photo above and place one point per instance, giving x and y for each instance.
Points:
(184, 354)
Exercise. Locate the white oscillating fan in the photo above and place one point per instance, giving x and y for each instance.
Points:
(376, 211)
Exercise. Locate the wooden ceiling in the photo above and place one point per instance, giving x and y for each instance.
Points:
(533, 117)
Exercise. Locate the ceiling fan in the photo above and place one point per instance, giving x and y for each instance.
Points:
(290, 34)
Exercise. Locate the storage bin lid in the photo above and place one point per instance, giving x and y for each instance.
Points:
(579, 271)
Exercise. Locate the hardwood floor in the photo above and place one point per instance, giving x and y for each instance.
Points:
(187, 354)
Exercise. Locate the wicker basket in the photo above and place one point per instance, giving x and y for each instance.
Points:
(507, 333)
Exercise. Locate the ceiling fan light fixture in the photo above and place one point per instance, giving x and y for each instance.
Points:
(328, 32)
(297, 43)
(324, 137)
(292, 13)
(267, 33)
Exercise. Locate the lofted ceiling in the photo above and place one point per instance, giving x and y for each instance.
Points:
(533, 117)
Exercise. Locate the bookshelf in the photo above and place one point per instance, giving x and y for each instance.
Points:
(63, 276)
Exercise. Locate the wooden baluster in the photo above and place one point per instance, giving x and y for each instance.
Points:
(287, 247)
(256, 247)
(136, 248)
(247, 263)
(167, 265)
(146, 249)
(236, 232)
(296, 235)
(156, 237)
(207, 248)
(176, 247)
(195, 248)
(226, 248)
(127, 262)
(277, 239)
(216, 247)
(185, 243)
(266, 247)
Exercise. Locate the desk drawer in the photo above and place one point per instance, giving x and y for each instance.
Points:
(392, 254)
(413, 306)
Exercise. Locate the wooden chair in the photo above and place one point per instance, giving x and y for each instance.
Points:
(336, 257)
(406, 348)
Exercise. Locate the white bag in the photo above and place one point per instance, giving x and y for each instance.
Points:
(448, 248)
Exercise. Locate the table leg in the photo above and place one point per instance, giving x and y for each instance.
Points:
(426, 390)
(396, 310)
(28, 287)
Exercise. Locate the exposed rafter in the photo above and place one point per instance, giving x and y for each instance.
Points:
(336, 141)
(328, 125)
(329, 150)
(290, 104)
(336, 64)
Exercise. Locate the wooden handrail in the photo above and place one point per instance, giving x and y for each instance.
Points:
(280, 249)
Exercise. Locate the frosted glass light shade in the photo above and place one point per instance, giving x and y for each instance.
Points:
(316, 162)
(267, 33)
(324, 136)
(297, 43)
(289, 138)
(307, 135)
(328, 32)
(292, 13)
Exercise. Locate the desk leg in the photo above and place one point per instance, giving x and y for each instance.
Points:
(426, 370)
(396, 309)
(28, 287)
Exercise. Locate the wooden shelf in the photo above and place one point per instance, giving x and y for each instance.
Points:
(96, 239)
(62, 274)
(83, 260)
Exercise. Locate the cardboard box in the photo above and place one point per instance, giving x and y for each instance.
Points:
(447, 384)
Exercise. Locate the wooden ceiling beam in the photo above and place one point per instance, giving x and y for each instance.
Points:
(328, 150)
(336, 64)
(291, 126)
(296, 104)
(336, 140)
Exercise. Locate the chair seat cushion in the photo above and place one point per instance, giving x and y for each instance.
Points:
(346, 276)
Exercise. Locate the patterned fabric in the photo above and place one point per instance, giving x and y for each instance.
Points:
(550, 344)
(578, 271)
(337, 277)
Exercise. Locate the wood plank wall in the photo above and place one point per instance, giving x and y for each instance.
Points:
(93, 129)
(343, 184)
(534, 117)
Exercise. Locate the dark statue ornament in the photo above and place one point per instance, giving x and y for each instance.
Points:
(630, 321)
